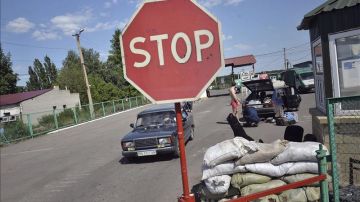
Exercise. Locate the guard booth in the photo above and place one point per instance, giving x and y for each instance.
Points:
(224, 82)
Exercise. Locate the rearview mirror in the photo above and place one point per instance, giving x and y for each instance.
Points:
(131, 125)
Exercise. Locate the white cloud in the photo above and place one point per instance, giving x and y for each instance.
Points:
(106, 26)
(104, 14)
(232, 2)
(108, 4)
(70, 23)
(212, 3)
(228, 49)
(243, 47)
(226, 37)
(137, 2)
(19, 25)
(41, 35)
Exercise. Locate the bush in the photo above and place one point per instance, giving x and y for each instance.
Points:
(15, 130)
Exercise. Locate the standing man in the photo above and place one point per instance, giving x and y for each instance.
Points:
(235, 102)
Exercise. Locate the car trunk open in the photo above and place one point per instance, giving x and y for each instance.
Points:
(259, 85)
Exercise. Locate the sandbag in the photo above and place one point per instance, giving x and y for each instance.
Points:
(229, 198)
(269, 169)
(265, 153)
(293, 195)
(303, 167)
(312, 193)
(228, 150)
(204, 194)
(226, 168)
(218, 184)
(254, 188)
(241, 180)
(298, 151)
(268, 198)
(299, 177)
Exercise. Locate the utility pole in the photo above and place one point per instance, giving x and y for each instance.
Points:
(91, 106)
(285, 65)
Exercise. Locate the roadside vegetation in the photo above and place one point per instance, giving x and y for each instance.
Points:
(105, 78)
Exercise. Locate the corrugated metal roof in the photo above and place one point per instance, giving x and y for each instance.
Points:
(240, 61)
(328, 6)
(10, 99)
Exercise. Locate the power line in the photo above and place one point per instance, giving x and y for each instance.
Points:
(301, 58)
(297, 46)
(281, 51)
(270, 53)
(300, 51)
(33, 46)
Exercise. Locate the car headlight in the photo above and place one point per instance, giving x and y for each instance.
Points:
(163, 141)
(126, 145)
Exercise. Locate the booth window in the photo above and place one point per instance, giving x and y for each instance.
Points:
(318, 75)
(345, 63)
(318, 59)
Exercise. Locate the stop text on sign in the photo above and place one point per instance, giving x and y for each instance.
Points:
(160, 50)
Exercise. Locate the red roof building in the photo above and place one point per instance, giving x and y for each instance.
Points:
(11, 99)
(241, 61)
(36, 103)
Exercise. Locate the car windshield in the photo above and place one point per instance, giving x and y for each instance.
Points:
(156, 119)
(307, 76)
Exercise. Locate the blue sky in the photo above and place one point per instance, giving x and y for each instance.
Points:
(33, 29)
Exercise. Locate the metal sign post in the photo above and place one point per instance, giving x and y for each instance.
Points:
(166, 43)
(186, 197)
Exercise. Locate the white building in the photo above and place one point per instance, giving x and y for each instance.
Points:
(41, 102)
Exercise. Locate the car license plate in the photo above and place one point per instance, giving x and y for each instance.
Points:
(146, 153)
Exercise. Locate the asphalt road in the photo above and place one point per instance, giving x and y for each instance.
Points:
(84, 163)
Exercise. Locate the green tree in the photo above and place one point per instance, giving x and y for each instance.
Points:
(92, 61)
(8, 78)
(41, 76)
(41, 73)
(71, 76)
(51, 71)
(102, 91)
(115, 69)
(33, 83)
(115, 51)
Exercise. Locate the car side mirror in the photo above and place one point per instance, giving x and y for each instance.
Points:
(132, 125)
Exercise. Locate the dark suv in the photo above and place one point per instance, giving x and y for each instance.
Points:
(155, 132)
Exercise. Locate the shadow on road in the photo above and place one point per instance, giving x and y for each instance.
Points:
(219, 95)
(222, 122)
(147, 159)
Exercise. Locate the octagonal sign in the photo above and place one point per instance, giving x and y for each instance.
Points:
(171, 50)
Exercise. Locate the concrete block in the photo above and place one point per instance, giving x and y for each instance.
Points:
(348, 148)
(352, 138)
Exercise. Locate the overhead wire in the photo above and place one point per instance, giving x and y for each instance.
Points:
(33, 46)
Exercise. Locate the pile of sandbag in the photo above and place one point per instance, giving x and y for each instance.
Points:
(238, 167)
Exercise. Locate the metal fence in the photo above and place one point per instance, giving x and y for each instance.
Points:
(35, 124)
(344, 140)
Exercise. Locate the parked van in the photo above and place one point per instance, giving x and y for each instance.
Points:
(302, 79)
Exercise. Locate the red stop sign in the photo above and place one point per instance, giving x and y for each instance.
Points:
(171, 50)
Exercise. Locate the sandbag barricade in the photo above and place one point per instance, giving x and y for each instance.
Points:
(252, 167)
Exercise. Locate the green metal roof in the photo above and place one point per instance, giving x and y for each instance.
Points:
(328, 6)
